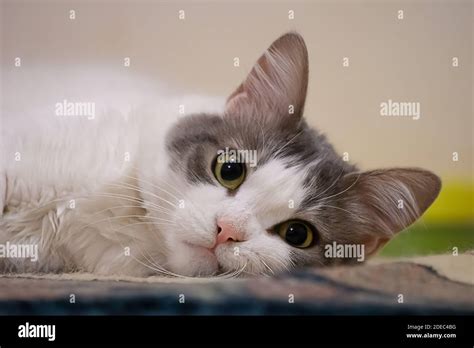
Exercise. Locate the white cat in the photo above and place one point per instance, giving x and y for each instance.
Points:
(115, 180)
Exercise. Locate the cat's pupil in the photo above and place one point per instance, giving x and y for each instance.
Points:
(231, 171)
(296, 234)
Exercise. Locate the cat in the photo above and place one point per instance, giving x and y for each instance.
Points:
(150, 191)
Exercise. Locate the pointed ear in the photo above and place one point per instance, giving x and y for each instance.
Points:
(278, 81)
(387, 201)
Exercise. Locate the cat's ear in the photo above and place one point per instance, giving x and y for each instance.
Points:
(384, 202)
(277, 83)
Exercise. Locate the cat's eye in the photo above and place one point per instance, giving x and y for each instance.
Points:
(296, 233)
(229, 173)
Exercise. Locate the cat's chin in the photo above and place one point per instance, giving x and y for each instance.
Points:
(193, 261)
(196, 261)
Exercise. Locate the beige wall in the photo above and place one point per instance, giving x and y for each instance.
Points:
(402, 60)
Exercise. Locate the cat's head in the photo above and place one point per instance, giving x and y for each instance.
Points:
(282, 208)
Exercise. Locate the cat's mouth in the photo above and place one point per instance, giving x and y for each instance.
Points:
(209, 254)
(202, 248)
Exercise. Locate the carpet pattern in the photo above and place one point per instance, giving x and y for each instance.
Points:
(375, 288)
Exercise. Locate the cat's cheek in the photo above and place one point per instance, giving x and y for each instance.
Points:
(231, 257)
(192, 261)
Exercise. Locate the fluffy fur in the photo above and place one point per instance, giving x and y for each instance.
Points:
(132, 191)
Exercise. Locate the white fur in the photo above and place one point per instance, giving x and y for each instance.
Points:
(262, 202)
(74, 194)
(75, 158)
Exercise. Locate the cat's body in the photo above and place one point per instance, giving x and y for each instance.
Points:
(141, 191)
(69, 183)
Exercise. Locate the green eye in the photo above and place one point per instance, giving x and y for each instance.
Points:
(296, 233)
(230, 174)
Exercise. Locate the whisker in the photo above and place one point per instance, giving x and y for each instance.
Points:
(267, 266)
(153, 185)
(166, 222)
(156, 268)
(277, 153)
(348, 188)
(347, 211)
(331, 186)
(141, 191)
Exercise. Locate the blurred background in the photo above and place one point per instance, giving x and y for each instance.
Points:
(409, 51)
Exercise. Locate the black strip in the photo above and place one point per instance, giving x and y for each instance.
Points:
(289, 330)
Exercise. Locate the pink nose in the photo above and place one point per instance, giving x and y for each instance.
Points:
(226, 232)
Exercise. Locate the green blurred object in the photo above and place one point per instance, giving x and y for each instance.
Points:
(423, 239)
(455, 204)
(447, 224)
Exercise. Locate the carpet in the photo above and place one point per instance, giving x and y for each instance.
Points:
(441, 284)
